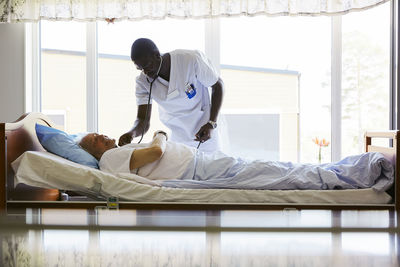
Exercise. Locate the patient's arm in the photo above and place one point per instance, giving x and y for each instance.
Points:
(143, 156)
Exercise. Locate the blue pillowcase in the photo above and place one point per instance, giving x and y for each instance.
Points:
(64, 145)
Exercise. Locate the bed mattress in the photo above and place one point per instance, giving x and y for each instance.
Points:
(47, 170)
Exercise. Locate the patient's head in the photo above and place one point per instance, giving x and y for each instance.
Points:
(97, 144)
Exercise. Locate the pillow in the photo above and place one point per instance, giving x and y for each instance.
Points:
(64, 145)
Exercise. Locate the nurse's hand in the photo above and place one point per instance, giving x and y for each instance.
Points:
(204, 133)
(125, 139)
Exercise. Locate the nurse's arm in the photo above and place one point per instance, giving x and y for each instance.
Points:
(142, 120)
(154, 152)
(217, 94)
(216, 99)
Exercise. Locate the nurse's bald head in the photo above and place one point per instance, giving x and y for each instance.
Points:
(143, 47)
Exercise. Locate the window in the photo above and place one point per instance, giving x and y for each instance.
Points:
(365, 75)
(277, 72)
(63, 74)
(285, 64)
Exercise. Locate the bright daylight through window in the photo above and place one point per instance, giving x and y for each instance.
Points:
(277, 73)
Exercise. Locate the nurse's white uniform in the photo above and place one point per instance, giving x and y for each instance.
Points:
(183, 116)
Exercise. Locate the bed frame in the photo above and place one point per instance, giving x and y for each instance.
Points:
(20, 136)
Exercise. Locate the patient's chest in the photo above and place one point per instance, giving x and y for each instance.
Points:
(177, 161)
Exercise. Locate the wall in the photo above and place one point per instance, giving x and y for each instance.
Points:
(11, 71)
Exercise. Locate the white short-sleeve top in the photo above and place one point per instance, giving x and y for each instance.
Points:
(183, 115)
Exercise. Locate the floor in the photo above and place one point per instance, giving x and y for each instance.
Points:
(112, 237)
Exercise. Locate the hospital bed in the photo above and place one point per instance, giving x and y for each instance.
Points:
(45, 180)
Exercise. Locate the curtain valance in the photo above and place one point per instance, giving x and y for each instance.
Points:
(91, 10)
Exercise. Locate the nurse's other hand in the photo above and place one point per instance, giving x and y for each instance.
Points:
(204, 133)
(125, 139)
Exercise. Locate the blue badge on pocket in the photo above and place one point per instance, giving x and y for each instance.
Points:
(190, 90)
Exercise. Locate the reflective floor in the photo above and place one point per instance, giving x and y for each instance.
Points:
(50, 237)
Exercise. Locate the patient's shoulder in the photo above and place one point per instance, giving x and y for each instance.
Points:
(118, 150)
(116, 160)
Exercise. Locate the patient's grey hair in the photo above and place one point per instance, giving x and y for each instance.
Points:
(89, 148)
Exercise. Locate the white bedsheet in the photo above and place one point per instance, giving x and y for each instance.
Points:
(47, 170)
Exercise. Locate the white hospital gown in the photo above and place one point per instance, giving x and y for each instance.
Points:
(183, 116)
(177, 161)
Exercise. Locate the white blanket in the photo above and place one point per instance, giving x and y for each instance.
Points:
(365, 170)
(46, 170)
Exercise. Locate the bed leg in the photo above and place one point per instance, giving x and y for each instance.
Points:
(3, 168)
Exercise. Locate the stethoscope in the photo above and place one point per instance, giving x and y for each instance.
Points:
(148, 102)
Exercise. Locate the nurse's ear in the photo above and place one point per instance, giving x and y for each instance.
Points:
(157, 59)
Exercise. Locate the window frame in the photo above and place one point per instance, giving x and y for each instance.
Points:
(212, 50)
(336, 88)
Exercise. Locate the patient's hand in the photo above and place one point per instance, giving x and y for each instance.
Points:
(160, 132)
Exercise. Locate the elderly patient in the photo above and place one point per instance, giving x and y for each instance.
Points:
(178, 165)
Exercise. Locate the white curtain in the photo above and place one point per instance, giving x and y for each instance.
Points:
(90, 10)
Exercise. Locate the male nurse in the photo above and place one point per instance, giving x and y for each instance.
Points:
(179, 82)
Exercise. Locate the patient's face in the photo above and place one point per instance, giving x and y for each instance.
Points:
(97, 144)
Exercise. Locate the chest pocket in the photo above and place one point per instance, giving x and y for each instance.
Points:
(190, 90)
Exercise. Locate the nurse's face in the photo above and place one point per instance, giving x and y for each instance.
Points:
(149, 65)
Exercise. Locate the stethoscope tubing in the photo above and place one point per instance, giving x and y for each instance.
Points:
(147, 109)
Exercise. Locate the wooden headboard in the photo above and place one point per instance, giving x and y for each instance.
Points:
(20, 136)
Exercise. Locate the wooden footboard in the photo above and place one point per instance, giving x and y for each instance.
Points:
(390, 153)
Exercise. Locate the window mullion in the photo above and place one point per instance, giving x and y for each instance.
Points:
(33, 49)
(91, 77)
(212, 41)
(394, 70)
(336, 85)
